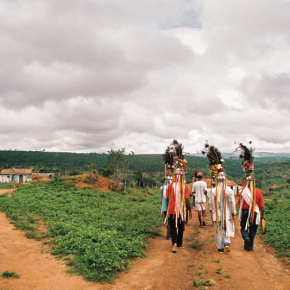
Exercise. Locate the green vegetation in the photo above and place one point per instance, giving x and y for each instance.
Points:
(97, 232)
(274, 178)
(118, 163)
(201, 283)
(8, 275)
(195, 245)
(146, 169)
(278, 230)
(6, 185)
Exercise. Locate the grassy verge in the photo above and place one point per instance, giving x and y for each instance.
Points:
(278, 228)
(97, 233)
(5, 185)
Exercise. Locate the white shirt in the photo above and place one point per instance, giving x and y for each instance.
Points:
(199, 188)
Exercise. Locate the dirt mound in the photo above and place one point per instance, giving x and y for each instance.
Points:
(95, 181)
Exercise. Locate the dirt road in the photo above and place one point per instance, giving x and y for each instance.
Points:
(160, 270)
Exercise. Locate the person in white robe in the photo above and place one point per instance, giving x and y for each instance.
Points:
(223, 231)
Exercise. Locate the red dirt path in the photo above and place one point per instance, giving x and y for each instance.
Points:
(160, 270)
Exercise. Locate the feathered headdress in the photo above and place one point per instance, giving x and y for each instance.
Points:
(217, 174)
(214, 157)
(247, 156)
(248, 167)
(174, 157)
(168, 158)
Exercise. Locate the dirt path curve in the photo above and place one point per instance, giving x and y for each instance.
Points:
(160, 270)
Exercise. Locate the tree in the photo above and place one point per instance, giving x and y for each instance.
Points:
(92, 170)
(74, 172)
(105, 172)
(36, 169)
(118, 163)
(138, 176)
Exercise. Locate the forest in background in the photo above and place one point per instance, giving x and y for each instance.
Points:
(272, 172)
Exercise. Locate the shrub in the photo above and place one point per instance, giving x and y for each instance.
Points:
(8, 275)
(74, 172)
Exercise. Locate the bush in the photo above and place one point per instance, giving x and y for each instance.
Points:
(74, 172)
(8, 275)
(100, 231)
(6, 185)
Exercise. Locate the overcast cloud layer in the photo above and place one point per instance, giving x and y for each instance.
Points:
(90, 76)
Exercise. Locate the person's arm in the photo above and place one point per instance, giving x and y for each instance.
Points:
(188, 207)
(167, 195)
(262, 209)
(193, 189)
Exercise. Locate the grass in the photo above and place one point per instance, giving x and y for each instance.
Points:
(101, 231)
(277, 226)
(195, 245)
(199, 283)
(9, 275)
(189, 239)
(6, 185)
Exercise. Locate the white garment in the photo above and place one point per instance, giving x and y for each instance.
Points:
(230, 208)
(248, 198)
(199, 188)
(200, 206)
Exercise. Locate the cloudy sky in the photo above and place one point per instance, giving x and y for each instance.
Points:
(95, 75)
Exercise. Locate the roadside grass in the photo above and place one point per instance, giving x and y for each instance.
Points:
(277, 226)
(100, 232)
(6, 185)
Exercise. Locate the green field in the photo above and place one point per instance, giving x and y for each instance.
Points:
(97, 233)
(278, 228)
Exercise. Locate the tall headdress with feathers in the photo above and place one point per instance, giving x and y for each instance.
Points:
(250, 181)
(174, 158)
(175, 164)
(217, 173)
(247, 156)
(215, 159)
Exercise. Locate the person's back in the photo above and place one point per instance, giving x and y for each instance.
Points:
(200, 187)
(200, 190)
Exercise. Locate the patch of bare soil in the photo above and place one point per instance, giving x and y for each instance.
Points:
(9, 191)
(97, 181)
(161, 269)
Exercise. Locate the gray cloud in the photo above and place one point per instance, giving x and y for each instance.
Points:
(89, 76)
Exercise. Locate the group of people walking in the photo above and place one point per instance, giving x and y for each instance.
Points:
(176, 207)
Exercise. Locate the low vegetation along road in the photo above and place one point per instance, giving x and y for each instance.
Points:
(196, 266)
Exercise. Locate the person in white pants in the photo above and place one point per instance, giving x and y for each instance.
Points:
(223, 219)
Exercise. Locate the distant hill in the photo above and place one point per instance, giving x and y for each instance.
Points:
(270, 168)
